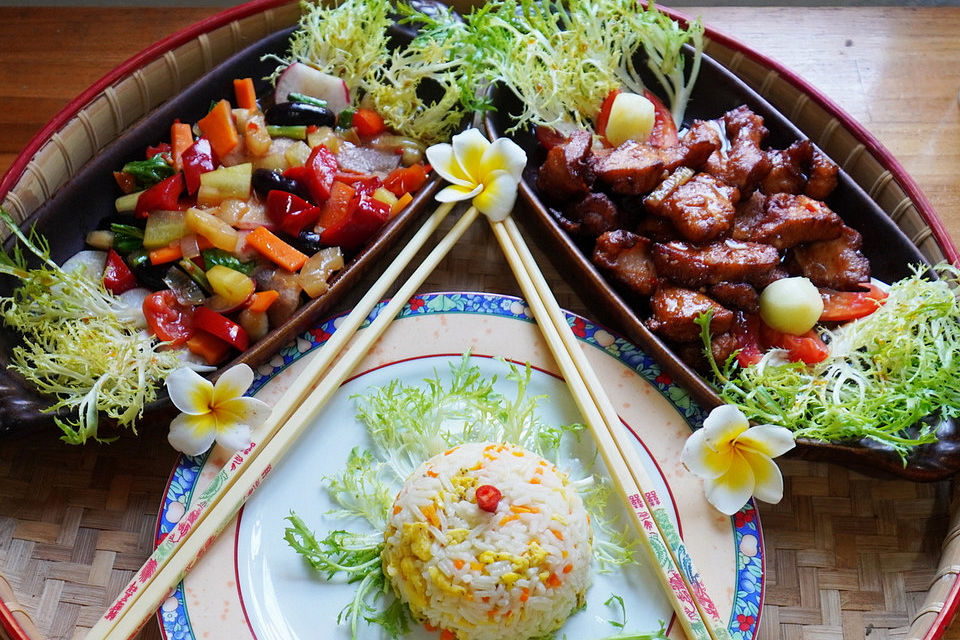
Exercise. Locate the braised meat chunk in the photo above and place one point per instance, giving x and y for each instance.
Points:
(726, 260)
(625, 257)
(736, 295)
(701, 140)
(822, 178)
(632, 168)
(832, 264)
(800, 168)
(701, 209)
(593, 214)
(787, 220)
(744, 166)
(565, 174)
(743, 124)
(675, 311)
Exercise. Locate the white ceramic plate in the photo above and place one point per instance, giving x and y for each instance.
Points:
(250, 584)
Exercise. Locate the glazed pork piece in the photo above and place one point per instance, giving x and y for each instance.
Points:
(704, 224)
(701, 209)
(832, 264)
(709, 264)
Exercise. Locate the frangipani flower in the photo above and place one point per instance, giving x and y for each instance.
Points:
(735, 460)
(488, 172)
(213, 411)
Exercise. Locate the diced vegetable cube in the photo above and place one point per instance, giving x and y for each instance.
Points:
(225, 182)
(218, 232)
(232, 285)
(164, 228)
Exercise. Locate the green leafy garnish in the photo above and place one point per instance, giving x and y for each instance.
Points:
(355, 557)
(149, 172)
(359, 491)
(887, 378)
(126, 238)
(80, 344)
(213, 257)
(351, 41)
(562, 58)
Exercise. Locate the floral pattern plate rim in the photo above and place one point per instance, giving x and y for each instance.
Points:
(455, 322)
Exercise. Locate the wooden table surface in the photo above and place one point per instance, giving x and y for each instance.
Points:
(895, 70)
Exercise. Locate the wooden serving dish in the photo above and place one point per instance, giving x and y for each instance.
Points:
(67, 187)
(875, 197)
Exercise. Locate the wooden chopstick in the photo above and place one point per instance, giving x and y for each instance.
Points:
(679, 578)
(290, 417)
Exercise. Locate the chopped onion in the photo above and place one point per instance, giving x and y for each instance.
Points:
(187, 291)
(189, 246)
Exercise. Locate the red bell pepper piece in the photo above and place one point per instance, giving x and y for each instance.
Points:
(165, 195)
(221, 326)
(117, 276)
(197, 158)
(321, 169)
(291, 213)
(842, 306)
(366, 184)
(163, 147)
(365, 217)
(664, 132)
(405, 179)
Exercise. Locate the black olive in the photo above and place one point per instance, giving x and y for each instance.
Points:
(307, 242)
(299, 113)
(265, 180)
(149, 275)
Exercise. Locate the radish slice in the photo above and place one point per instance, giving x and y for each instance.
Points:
(133, 299)
(300, 78)
(88, 261)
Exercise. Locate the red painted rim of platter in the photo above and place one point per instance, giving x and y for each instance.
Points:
(886, 159)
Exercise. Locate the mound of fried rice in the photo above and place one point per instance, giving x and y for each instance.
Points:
(517, 572)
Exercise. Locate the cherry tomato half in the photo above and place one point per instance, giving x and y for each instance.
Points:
(167, 318)
(488, 497)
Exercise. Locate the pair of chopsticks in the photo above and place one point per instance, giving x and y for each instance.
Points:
(328, 368)
(679, 578)
(290, 417)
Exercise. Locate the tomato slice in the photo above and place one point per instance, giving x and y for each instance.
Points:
(604, 116)
(808, 348)
(664, 133)
(842, 306)
(746, 331)
(167, 318)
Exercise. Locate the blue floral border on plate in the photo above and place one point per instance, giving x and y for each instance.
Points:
(748, 597)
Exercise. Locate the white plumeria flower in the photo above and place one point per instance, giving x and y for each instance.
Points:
(487, 172)
(213, 412)
(735, 460)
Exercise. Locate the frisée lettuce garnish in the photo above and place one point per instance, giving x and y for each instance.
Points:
(563, 58)
(888, 378)
(80, 342)
(351, 41)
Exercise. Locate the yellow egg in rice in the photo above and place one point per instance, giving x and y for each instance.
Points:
(484, 570)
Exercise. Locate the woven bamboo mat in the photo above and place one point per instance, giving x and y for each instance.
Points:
(847, 556)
